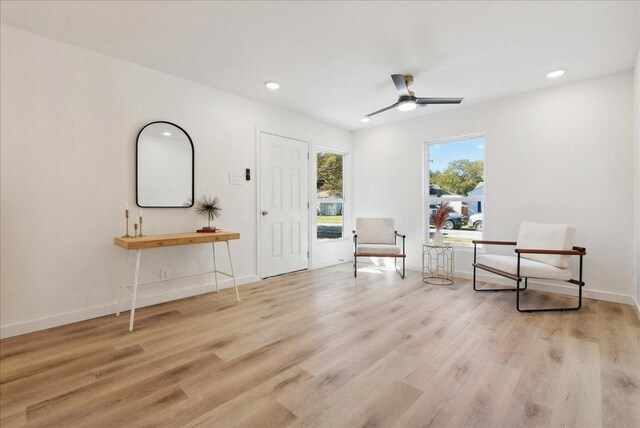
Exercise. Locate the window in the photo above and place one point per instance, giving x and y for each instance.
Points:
(330, 195)
(455, 173)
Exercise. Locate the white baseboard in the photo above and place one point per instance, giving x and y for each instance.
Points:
(153, 299)
(327, 263)
(606, 296)
(99, 311)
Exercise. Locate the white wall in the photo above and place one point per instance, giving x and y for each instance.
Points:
(636, 132)
(561, 155)
(69, 122)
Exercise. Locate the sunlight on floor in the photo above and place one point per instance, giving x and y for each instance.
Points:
(376, 269)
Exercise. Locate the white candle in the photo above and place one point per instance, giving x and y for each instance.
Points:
(127, 205)
(140, 212)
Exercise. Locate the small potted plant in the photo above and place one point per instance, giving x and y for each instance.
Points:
(209, 208)
(439, 218)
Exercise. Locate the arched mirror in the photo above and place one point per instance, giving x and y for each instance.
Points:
(164, 166)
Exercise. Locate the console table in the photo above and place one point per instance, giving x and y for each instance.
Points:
(170, 240)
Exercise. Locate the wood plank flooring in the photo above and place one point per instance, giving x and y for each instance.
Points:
(324, 349)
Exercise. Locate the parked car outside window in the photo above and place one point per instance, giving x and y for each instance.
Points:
(475, 221)
(455, 220)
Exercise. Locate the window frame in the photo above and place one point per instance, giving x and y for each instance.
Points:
(342, 201)
(426, 198)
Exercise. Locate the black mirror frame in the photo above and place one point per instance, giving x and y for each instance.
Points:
(193, 164)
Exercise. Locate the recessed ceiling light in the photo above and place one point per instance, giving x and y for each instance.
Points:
(166, 134)
(555, 73)
(407, 106)
(365, 120)
(272, 85)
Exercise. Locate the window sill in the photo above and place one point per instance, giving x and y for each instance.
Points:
(331, 240)
(468, 249)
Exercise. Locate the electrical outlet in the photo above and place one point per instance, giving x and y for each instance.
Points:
(164, 274)
(236, 179)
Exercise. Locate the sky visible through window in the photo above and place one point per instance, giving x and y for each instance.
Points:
(441, 154)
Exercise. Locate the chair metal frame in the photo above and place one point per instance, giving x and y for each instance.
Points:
(403, 256)
(576, 251)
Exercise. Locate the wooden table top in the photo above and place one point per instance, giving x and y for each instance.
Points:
(172, 239)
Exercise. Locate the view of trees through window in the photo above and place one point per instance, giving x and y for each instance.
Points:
(456, 175)
(330, 195)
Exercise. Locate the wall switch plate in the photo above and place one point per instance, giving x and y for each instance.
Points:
(236, 179)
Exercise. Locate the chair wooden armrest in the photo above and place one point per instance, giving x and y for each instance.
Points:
(481, 241)
(542, 251)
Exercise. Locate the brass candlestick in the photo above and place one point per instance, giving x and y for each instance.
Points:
(135, 228)
(126, 216)
(141, 235)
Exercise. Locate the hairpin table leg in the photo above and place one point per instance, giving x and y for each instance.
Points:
(124, 283)
(135, 290)
(233, 272)
(215, 268)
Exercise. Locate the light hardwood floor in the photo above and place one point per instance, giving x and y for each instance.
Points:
(321, 348)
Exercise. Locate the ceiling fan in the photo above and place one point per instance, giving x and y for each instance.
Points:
(407, 100)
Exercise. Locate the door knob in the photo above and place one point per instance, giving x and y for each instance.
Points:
(265, 212)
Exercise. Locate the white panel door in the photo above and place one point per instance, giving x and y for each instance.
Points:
(284, 208)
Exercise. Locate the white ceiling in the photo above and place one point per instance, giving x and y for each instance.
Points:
(333, 59)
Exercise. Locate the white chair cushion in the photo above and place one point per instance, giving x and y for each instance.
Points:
(540, 236)
(528, 268)
(379, 249)
(375, 230)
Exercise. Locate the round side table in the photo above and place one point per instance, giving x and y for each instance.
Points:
(437, 264)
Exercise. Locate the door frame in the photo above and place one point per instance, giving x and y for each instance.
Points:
(291, 136)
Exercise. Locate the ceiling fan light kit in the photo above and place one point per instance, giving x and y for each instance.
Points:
(407, 105)
(407, 100)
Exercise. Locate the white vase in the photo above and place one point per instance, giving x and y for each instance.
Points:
(438, 238)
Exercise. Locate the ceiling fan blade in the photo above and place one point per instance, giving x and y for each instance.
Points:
(427, 101)
(383, 109)
(401, 85)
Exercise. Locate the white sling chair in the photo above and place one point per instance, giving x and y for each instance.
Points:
(377, 237)
(542, 251)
